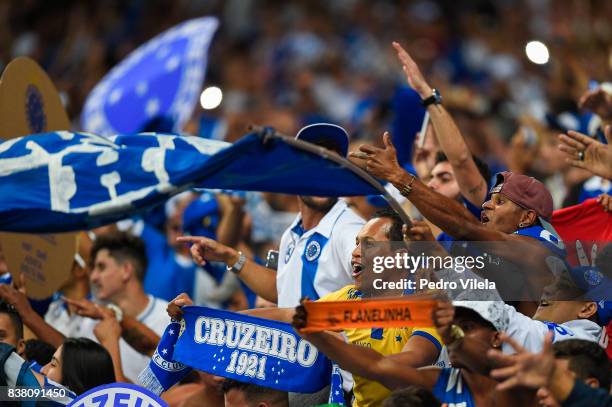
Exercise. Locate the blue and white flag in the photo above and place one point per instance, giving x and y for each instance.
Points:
(336, 392)
(163, 372)
(252, 350)
(63, 181)
(161, 80)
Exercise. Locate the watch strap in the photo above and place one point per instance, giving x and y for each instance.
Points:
(118, 311)
(434, 99)
(237, 267)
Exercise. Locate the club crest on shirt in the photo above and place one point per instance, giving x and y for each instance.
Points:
(313, 250)
(593, 276)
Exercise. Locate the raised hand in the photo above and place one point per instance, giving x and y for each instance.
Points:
(381, 162)
(442, 317)
(605, 201)
(174, 307)
(86, 308)
(588, 153)
(413, 73)
(204, 249)
(108, 329)
(418, 232)
(598, 101)
(300, 317)
(532, 370)
(16, 298)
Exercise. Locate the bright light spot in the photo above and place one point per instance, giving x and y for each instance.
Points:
(211, 97)
(537, 52)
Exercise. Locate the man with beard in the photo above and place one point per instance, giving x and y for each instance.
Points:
(315, 251)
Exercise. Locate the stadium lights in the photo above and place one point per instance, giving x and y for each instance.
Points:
(211, 97)
(537, 52)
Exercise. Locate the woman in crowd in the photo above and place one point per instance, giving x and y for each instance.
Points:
(80, 364)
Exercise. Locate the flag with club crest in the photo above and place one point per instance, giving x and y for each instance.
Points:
(336, 392)
(156, 86)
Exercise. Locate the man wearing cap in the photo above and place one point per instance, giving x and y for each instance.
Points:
(315, 251)
(516, 215)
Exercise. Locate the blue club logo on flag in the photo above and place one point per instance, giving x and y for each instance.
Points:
(161, 80)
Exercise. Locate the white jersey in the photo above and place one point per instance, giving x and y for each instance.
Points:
(133, 362)
(69, 325)
(317, 262)
(530, 333)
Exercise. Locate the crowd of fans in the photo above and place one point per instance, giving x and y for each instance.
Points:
(299, 65)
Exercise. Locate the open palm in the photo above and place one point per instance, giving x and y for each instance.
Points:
(597, 157)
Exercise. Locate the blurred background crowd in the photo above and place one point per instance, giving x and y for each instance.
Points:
(289, 64)
(511, 73)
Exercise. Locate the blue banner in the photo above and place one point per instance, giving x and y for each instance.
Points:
(336, 392)
(163, 371)
(252, 350)
(157, 85)
(63, 181)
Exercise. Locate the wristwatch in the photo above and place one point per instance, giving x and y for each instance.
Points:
(237, 267)
(434, 99)
(118, 311)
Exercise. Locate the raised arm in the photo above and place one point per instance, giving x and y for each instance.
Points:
(471, 183)
(261, 280)
(30, 318)
(588, 153)
(450, 215)
(108, 332)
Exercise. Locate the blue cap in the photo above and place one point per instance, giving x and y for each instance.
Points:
(598, 288)
(201, 217)
(328, 135)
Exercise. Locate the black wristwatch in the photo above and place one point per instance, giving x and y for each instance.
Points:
(434, 99)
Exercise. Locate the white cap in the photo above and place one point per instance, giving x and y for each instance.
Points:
(491, 311)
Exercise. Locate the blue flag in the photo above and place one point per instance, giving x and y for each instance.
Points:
(252, 350)
(163, 372)
(336, 392)
(158, 82)
(63, 181)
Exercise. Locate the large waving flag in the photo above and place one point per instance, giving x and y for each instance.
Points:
(62, 181)
(160, 81)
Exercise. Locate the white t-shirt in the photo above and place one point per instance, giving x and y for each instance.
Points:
(133, 362)
(318, 261)
(69, 325)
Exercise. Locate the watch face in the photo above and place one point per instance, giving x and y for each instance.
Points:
(437, 96)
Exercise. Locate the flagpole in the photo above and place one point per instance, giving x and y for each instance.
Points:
(268, 133)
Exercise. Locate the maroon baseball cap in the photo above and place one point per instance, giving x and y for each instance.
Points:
(526, 192)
